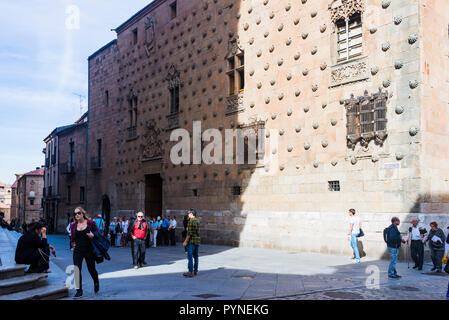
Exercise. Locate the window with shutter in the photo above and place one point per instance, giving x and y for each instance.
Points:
(349, 38)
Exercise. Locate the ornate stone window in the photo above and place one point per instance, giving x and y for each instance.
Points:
(174, 83)
(174, 99)
(236, 76)
(347, 17)
(236, 73)
(132, 111)
(349, 38)
(366, 119)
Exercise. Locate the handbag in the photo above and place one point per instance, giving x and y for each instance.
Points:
(361, 234)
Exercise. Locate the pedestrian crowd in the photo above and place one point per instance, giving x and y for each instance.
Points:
(90, 241)
(417, 237)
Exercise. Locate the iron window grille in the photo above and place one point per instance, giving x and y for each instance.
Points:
(366, 118)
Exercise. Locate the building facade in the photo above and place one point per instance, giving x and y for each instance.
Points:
(5, 200)
(352, 96)
(15, 199)
(29, 196)
(65, 174)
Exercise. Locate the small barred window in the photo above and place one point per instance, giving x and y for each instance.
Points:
(334, 185)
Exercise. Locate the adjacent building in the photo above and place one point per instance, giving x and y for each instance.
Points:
(27, 196)
(5, 200)
(351, 95)
(65, 174)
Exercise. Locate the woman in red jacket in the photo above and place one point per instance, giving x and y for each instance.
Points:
(81, 233)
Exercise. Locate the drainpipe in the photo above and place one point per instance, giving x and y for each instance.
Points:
(55, 222)
(87, 135)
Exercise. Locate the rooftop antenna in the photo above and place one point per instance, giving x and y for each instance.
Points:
(81, 101)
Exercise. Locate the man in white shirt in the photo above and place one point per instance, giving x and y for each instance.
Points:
(415, 237)
(171, 231)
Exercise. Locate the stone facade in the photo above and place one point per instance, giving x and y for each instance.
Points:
(5, 200)
(30, 188)
(298, 83)
(65, 173)
(14, 199)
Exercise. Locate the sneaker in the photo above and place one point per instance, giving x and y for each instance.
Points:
(78, 294)
(395, 277)
(136, 267)
(356, 261)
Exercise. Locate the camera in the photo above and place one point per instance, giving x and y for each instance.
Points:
(423, 231)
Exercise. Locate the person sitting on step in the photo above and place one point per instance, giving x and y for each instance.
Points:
(33, 250)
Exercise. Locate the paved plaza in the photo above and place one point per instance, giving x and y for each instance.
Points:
(247, 273)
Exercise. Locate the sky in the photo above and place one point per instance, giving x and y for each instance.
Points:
(43, 65)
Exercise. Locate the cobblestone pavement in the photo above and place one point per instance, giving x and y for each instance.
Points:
(247, 273)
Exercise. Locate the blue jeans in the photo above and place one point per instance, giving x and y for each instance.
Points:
(192, 254)
(354, 246)
(393, 259)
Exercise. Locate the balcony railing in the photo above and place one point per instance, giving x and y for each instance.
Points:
(67, 168)
(96, 163)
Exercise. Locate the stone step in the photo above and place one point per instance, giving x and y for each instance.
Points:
(27, 282)
(42, 293)
(13, 271)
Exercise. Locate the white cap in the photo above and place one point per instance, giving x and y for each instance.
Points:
(158, 217)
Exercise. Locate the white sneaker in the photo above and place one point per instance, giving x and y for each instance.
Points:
(356, 261)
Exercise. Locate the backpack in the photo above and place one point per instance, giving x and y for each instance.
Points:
(387, 234)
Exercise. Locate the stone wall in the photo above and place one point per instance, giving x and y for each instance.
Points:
(294, 84)
(75, 179)
(434, 122)
(28, 212)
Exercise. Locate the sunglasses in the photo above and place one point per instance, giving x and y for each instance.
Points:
(139, 216)
(77, 213)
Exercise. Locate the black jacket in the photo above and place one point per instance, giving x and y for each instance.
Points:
(27, 247)
(394, 237)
